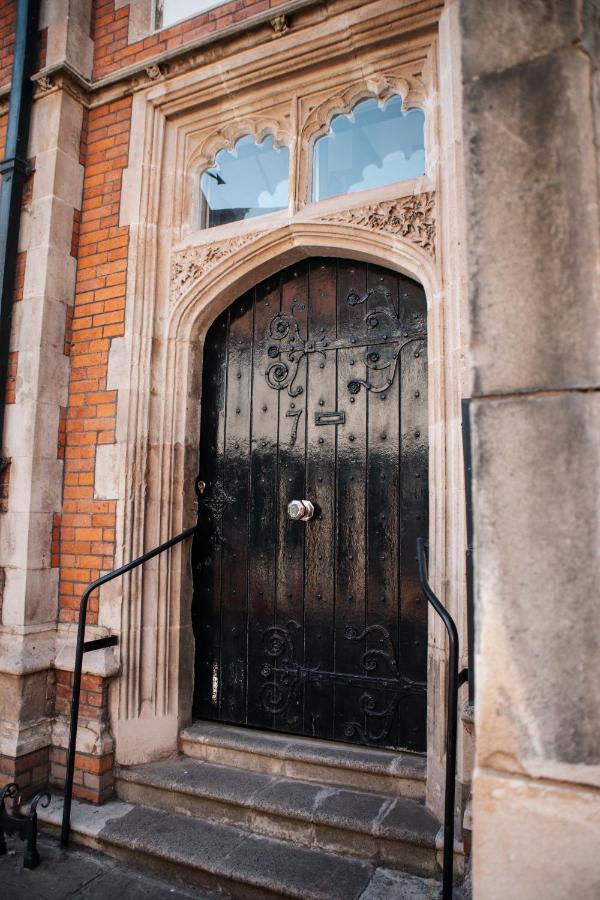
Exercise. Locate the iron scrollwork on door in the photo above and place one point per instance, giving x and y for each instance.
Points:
(386, 336)
(384, 339)
(379, 677)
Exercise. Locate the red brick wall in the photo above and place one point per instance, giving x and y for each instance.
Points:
(8, 18)
(86, 535)
(93, 778)
(110, 29)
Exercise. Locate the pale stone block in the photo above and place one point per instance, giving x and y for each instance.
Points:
(68, 137)
(69, 42)
(36, 482)
(28, 422)
(50, 272)
(534, 227)
(117, 375)
(141, 740)
(18, 738)
(108, 472)
(23, 652)
(537, 553)
(25, 541)
(55, 11)
(23, 697)
(141, 18)
(59, 175)
(534, 840)
(51, 223)
(92, 736)
(500, 35)
(39, 322)
(101, 662)
(30, 595)
(42, 376)
(45, 123)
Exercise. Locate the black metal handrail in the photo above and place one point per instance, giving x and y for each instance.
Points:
(83, 646)
(452, 686)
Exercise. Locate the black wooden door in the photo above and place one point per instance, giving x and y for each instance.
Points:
(315, 387)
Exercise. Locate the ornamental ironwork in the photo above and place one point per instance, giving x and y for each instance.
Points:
(378, 678)
(382, 335)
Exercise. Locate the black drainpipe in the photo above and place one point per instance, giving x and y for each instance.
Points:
(15, 170)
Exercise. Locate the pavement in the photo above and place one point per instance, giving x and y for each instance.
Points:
(82, 873)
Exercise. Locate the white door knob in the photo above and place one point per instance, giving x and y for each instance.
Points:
(301, 510)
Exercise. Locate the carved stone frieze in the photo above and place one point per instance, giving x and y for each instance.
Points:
(189, 265)
(410, 217)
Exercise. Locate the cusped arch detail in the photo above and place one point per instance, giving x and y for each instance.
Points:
(380, 87)
(205, 152)
(210, 288)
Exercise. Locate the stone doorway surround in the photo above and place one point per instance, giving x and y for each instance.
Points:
(180, 279)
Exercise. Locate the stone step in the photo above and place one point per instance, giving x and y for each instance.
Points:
(391, 772)
(230, 860)
(384, 829)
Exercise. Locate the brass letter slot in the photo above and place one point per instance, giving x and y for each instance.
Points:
(330, 418)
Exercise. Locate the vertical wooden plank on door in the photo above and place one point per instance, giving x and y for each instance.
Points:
(320, 488)
(234, 607)
(288, 692)
(350, 548)
(382, 503)
(414, 511)
(263, 525)
(207, 548)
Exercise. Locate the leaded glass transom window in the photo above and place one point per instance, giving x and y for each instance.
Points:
(250, 180)
(376, 144)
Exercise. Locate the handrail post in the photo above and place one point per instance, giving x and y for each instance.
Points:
(451, 723)
(82, 647)
(66, 819)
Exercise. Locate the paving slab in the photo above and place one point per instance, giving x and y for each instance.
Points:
(81, 873)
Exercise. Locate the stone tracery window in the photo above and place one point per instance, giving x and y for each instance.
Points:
(374, 145)
(250, 180)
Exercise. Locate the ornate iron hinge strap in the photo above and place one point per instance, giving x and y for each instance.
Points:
(379, 678)
(382, 339)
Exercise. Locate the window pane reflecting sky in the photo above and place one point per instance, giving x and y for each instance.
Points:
(176, 10)
(370, 147)
(249, 181)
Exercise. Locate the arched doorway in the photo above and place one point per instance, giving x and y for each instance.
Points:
(315, 387)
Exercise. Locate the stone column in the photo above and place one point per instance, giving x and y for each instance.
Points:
(32, 432)
(533, 239)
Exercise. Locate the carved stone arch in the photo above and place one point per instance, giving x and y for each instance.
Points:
(204, 153)
(407, 221)
(203, 283)
(318, 121)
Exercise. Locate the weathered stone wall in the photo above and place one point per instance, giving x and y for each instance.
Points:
(531, 173)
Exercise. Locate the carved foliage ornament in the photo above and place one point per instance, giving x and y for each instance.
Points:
(412, 218)
(190, 265)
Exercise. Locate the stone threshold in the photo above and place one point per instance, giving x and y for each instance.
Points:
(376, 826)
(394, 772)
(235, 862)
